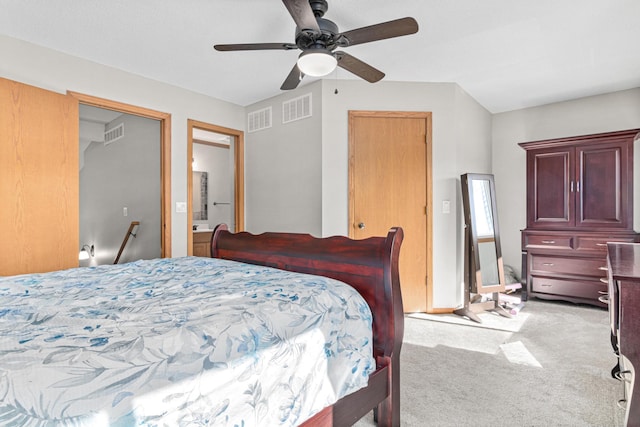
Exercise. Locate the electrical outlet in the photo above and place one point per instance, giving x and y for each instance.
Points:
(181, 207)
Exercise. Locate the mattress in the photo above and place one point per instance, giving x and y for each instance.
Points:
(182, 341)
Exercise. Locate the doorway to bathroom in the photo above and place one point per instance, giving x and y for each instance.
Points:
(215, 182)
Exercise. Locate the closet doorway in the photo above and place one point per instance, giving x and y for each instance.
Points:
(215, 181)
(390, 185)
(40, 177)
(157, 222)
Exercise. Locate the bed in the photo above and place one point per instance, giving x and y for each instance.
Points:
(273, 329)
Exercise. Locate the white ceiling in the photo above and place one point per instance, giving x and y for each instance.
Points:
(507, 54)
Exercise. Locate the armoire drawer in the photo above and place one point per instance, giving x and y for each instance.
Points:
(599, 244)
(591, 289)
(593, 267)
(548, 241)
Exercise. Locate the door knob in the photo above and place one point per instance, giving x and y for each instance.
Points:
(361, 225)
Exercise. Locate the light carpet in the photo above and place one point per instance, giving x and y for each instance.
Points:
(555, 371)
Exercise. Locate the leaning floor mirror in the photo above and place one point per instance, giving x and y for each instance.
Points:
(483, 267)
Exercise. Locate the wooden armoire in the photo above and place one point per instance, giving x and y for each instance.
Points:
(579, 197)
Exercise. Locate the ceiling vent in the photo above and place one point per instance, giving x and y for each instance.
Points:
(296, 109)
(259, 120)
(114, 134)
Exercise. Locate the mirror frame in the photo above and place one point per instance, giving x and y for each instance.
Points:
(473, 275)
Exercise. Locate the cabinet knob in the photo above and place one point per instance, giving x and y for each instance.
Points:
(361, 225)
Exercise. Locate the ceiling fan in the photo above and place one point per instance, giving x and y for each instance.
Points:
(318, 38)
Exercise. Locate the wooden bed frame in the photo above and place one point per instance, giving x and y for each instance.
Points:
(371, 267)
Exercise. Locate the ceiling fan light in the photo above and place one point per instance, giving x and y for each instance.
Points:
(317, 62)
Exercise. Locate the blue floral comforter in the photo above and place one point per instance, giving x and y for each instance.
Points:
(178, 342)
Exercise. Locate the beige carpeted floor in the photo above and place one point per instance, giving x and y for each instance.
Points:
(553, 371)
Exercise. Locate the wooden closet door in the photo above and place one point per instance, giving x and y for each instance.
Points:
(39, 180)
(388, 179)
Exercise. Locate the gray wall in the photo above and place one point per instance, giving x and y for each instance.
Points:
(595, 114)
(122, 174)
(297, 174)
(283, 169)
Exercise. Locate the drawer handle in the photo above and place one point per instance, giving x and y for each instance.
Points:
(601, 244)
(603, 268)
(549, 242)
(548, 264)
(604, 299)
(603, 280)
(546, 285)
(603, 292)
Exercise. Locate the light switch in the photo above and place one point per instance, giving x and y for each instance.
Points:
(125, 211)
(446, 206)
(181, 207)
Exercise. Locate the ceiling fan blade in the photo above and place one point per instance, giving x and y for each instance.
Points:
(255, 46)
(359, 68)
(302, 14)
(384, 30)
(293, 79)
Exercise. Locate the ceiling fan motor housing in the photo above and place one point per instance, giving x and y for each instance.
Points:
(328, 38)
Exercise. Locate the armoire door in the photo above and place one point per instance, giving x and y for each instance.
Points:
(603, 192)
(38, 179)
(550, 188)
(582, 182)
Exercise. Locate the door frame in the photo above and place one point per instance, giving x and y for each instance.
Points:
(238, 174)
(165, 156)
(427, 116)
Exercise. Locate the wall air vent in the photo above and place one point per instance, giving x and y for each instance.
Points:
(259, 120)
(114, 134)
(296, 109)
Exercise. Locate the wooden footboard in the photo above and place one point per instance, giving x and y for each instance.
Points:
(371, 267)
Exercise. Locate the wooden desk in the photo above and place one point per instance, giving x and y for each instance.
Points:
(624, 308)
